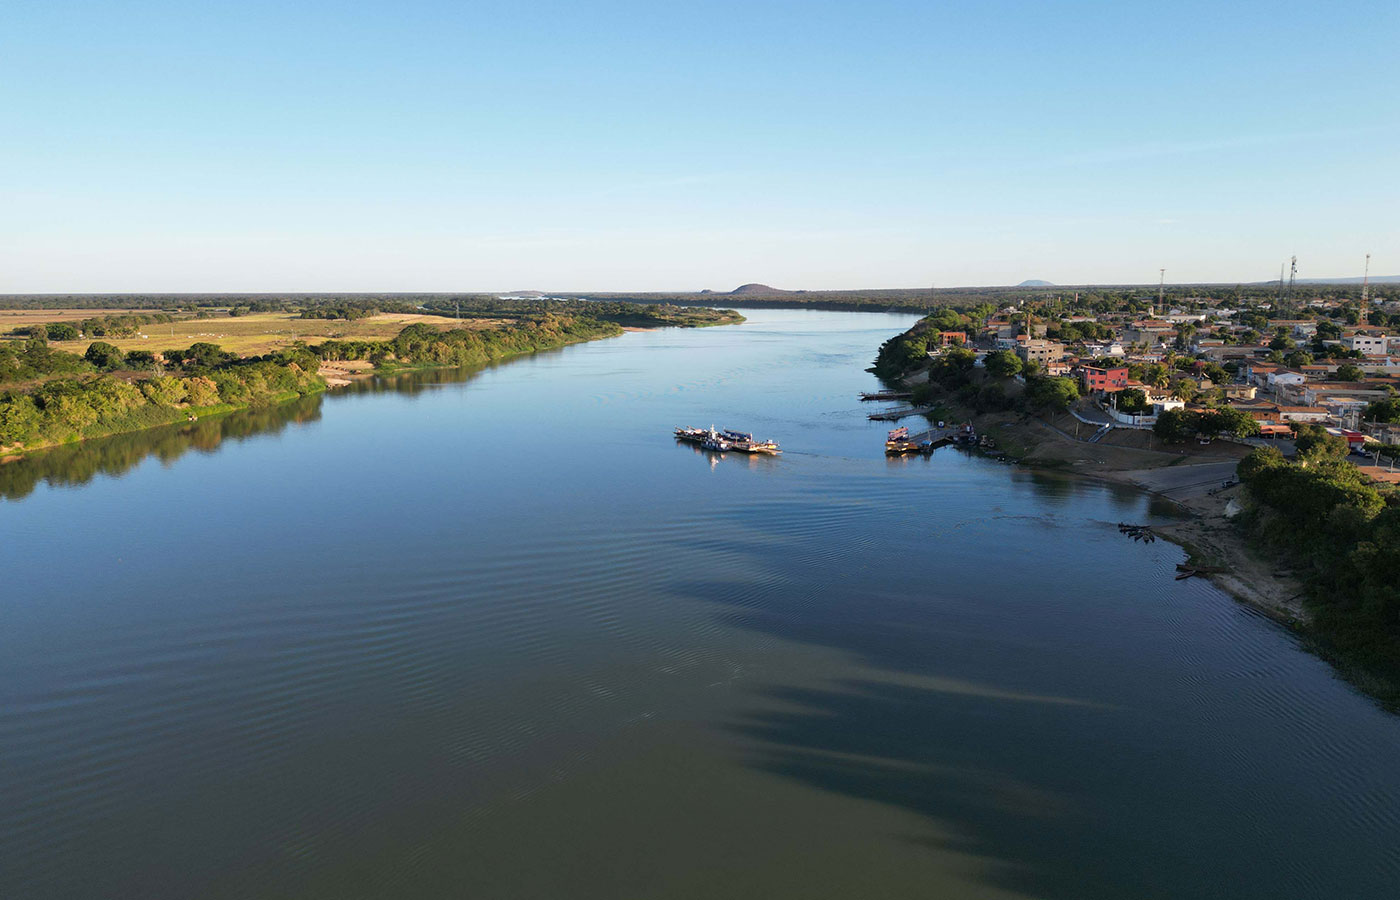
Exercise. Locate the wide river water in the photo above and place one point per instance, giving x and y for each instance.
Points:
(496, 635)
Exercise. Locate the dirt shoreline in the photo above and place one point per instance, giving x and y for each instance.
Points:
(339, 373)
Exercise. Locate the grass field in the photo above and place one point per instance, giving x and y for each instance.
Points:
(246, 335)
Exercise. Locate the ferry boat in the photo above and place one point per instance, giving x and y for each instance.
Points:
(727, 439)
(898, 443)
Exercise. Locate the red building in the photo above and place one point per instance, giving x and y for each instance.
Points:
(1107, 380)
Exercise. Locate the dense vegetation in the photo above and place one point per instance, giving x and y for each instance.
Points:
(906, 352)
(96, 326)
(954, 375)
(422, 345)
(74, 397)
(355, 309)
(631, 315)
(1058, 300)
(52, 397)
(1342, 533)
(1177, 426)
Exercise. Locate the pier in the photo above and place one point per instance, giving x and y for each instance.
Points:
(901, 412)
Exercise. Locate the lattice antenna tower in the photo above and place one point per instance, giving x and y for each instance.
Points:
(1365, 289)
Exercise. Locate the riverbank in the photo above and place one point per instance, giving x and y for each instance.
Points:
(1190, 476)
(77, 398)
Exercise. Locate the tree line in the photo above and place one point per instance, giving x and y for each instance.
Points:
(1342, 533)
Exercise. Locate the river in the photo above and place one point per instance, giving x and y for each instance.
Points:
(495, 634)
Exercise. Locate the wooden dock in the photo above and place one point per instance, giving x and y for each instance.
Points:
(902, 412)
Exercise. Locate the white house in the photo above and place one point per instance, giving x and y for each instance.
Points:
(1366, 343)
(1285, 377)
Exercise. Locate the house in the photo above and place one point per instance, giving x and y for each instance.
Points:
(1105, 380)
(1370, 344)
(1234, 351)
(1109, 348)
(1240, 391)
(1149, 332)
(1281, 377)
(1382, 474)
(1258, 372)
(1385, 432)
(1040, 351)
(954, 338)
(1310, 414)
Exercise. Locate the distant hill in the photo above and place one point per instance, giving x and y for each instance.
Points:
(523, 294)
(757, 289)
(1036, 282)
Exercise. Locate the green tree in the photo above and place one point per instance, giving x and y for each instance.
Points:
(1315, 443)
(104, 355)
(19, 419)
(1132, 401)
(1259, 459)
(1349, 372)
(1003, 364)
(1175, 426)
(1384, 410)
(164, 390)
(1051, 393)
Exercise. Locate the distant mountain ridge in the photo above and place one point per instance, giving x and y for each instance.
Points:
(1036, 282)
(755, 288)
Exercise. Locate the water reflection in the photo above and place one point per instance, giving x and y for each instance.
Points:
(77, 464)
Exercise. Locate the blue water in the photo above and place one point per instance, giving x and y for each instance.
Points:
(495, 634)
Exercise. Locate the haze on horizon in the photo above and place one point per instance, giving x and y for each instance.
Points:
(627, 146)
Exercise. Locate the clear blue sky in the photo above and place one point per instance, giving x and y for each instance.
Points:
(251, 146)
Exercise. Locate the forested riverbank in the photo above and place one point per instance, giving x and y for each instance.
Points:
(51, 397)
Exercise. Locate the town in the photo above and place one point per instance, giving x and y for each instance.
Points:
(1261, 371)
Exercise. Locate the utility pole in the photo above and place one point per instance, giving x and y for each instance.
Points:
(1161, 286)
(1292, 275)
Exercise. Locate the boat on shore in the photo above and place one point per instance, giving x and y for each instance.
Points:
(728, 439)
